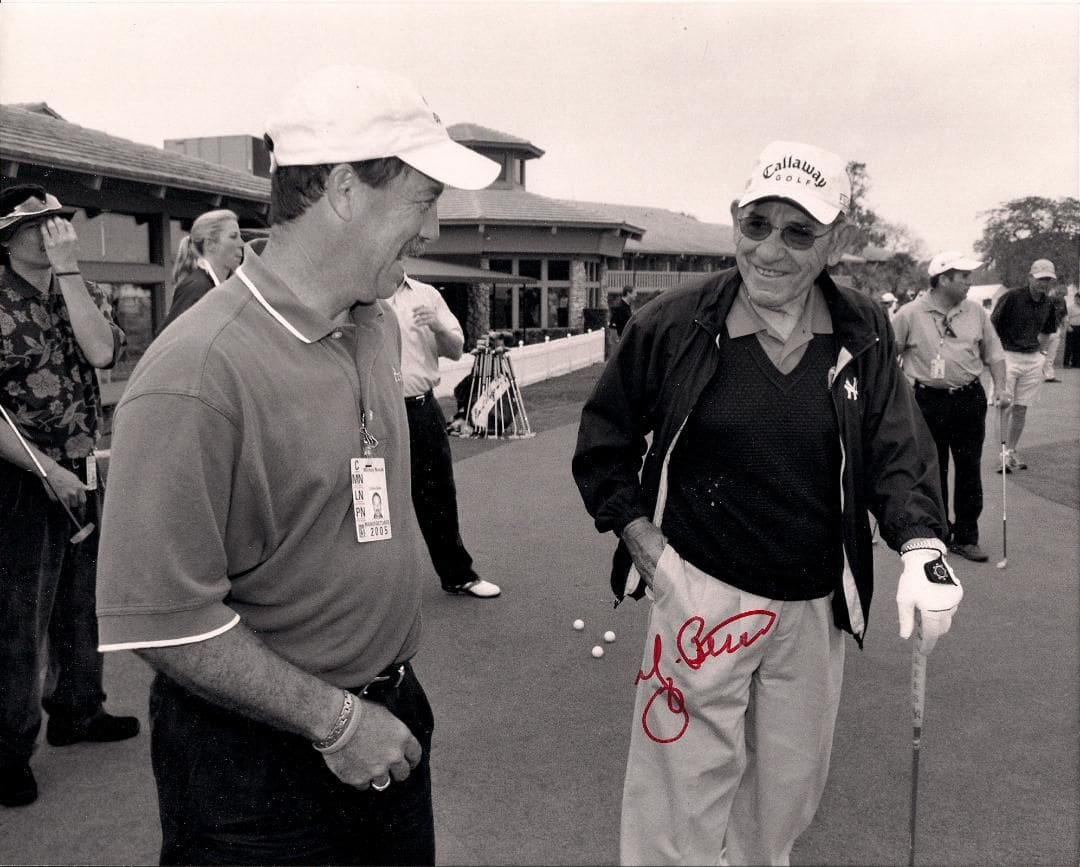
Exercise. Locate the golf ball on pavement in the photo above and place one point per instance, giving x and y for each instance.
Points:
(579, 625)
(598, 651)
(609, 636)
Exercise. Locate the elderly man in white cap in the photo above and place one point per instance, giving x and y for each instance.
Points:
(282, 608)
(945, 342)
(778, 418)
(1025, 319)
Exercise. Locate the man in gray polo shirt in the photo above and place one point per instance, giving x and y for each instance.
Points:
(945, 342)
(279, 610)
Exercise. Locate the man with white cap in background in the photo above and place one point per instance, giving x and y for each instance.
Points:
(280, 611)
(1025, 319)
(778, 417)
(945, 342)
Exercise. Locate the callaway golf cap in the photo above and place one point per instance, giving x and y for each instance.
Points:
(21, 203)
(814, 179)
(345, 114)
(951, 260)
(1043, 268)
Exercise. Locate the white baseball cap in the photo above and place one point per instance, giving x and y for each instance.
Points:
(1043, 268)
(344, 114)
(814, 179)
(951, 260)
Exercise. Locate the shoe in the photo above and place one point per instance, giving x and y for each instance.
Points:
(99, 728)
(969, 551)
(478, 587)
(1012, 463)
(1051, 379)
(17, 786)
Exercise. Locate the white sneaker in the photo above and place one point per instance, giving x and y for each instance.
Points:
(478, 587)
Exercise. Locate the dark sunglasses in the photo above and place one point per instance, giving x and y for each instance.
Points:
(796, 236)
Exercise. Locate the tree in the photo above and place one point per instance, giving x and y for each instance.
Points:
(867, 222)
(1019, 231)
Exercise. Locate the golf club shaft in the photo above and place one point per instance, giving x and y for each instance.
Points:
(1004, 509)
(44, 476)
(918, 703)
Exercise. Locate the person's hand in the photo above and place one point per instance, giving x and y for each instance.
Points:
(61, 244)
(1002, 399)
(425, 317)
(382, 749)
(69, 489)
(928, 584)
(645, 542)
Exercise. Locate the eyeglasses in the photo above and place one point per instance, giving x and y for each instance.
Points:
(796, 236)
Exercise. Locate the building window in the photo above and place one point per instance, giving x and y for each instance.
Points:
(530, 268)
(558, 269)
(517, 171)
(131, 310)
(111, 238)
(529, 306)
(503, 266)
(502, 306)
(558, 307)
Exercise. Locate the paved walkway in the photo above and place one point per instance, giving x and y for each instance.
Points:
(532, 732)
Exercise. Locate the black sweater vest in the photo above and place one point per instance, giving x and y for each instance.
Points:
(754, 480)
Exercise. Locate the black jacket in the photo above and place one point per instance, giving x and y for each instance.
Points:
(652, 382)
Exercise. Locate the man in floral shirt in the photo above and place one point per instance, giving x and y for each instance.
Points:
(54, 330)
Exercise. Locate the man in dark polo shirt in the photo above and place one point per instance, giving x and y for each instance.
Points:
(1024, 318)
(257, 437)
(945, 342)
(778, 417)
(55, 330)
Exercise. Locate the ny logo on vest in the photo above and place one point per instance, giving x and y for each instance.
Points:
(851, 386)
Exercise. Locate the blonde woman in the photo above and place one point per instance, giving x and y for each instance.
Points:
(205, 258)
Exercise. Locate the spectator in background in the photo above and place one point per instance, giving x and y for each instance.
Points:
(205, 258)
(945, 341)
(622, 311)
(1061, 311)
(430, 330)
(1024, 318)
(54, 333)
(1072, 327)
(890, 303)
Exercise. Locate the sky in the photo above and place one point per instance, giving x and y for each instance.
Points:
(954, 108)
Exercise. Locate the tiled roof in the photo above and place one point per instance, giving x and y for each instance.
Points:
(32, 135)
(668, 232)
(524, 208)
(474, 134)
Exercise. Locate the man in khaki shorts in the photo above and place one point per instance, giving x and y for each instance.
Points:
(1025, 319)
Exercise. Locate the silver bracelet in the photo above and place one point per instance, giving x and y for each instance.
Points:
(348, 707)
(908, 546)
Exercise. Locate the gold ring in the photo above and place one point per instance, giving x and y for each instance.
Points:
(383, 787)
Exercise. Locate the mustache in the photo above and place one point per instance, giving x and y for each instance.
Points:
(413, 248)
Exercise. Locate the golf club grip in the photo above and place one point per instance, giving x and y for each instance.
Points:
(918, 681)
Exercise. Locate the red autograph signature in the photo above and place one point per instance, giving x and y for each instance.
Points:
(694, 649)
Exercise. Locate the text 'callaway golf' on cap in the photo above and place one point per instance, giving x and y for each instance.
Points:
(344, 114)
(1043, 268)
(813, 178)
(951, 260)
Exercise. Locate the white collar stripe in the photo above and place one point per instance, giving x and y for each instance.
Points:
(259, 297)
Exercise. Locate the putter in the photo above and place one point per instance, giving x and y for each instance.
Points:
(918, 702)
(82, 531)
(1004, 561)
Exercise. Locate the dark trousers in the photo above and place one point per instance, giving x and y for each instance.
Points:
(1072, 347)
(434, 493)
(957, 422)
(46, 592)
(234, 791)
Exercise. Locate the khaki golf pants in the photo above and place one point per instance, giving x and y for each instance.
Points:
(733, 722)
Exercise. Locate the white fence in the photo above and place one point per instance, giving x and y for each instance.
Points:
(533, 363)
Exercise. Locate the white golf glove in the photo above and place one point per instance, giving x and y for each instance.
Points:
(929, 584)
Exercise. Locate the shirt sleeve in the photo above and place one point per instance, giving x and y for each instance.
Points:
(162, 563)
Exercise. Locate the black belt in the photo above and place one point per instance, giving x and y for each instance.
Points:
(947, 389)
(384, 683)
(419, 398)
